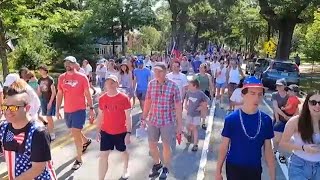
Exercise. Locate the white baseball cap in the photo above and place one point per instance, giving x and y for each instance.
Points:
(10, 79)
(71, 59)
(113, 77)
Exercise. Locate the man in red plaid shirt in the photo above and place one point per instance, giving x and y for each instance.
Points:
(164, 109)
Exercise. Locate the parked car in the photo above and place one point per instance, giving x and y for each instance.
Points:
(279, 69)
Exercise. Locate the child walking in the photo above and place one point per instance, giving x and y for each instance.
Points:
(195, 101)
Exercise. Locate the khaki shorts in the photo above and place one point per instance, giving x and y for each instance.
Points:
(193, 120)
(167, 133)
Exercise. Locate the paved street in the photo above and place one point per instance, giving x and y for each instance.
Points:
(185, 164)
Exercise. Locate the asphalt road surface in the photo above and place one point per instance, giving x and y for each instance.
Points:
(186, 165)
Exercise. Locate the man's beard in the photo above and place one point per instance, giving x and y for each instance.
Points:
(68, 68)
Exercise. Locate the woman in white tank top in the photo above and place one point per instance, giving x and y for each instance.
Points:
(304, 130)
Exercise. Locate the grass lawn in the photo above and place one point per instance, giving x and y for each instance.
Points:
(310, 81)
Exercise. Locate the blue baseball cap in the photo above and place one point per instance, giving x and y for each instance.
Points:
(252, 81)
(139, 62)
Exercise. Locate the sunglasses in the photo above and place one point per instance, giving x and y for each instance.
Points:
(314, 102)
(11, 108)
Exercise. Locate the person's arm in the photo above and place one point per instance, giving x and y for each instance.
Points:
(227, 75)
(288, 106)
(277, 111)
(53, 95)
(128, 120)
(222, 154)
(35, 170)
(59, 95)
(147, 103)
(240, 71)
(99, 120)
(269, 156)
(290, 129)
(87, 93)
(210, 85)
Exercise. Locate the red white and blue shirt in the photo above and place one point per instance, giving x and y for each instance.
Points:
(23, 146)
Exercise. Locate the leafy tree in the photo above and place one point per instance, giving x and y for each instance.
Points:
(312, 45)
(284, 16)
(150, 38)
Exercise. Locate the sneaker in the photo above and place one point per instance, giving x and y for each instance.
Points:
(155, 170)
(53, 136)
(164, 173)
(204, 126)
(194, 148)
(77, 164)
(125, 176)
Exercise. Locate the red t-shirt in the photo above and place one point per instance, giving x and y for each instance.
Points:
(114, 117)
(294, 101)
(73, 87)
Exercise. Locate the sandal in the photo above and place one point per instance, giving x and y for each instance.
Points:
(77, 164)
(194, 148)
(86, 145)
(282, 159)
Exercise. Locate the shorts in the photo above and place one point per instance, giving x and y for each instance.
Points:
(301, 169)
(279, 126)
(236, 172)
(110, 141)
(193, 120)
(141, 95)
(45, 111)
(75, 119)
(231, 88)
(220, 85)
(166, 133)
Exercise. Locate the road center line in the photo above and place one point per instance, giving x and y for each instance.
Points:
(283, 167)
(204, 154)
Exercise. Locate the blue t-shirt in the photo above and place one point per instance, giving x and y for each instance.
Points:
(242, 150)
(195, 65)
(142, 76)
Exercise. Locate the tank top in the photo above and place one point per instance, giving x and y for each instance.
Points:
(221, 75)
(234, 76)
(302, 154)
(204, 82)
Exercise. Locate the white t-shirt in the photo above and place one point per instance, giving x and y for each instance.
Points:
(180, 79)
(101, 72)
(236, 97)
(214, 66)
(81, 70)
(34, 102)
(88, 69)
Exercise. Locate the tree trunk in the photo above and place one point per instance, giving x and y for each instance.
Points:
(196, 37)
(286, 28)
(123, 44)
(3, 50)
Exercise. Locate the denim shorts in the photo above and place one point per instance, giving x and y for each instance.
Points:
(220, 85)
(279, 126)
(300, 169)
(75, 119)
(45, 111)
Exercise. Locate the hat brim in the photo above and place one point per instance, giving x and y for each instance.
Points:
(113, 79)
(254, 86)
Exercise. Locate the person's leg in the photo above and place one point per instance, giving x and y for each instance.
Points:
(153, 138)
(106, 146)
(103, 164)
(166, 133)
(76, 134)
(119, 142)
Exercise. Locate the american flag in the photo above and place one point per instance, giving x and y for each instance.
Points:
(19, 138)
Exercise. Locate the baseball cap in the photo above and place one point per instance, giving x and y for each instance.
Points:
(281, 82)
(139, 62)
(293, 87)
(252, 81)
(101, 61)
(160, 66)
(71, 59)
(113, 77)
(10, 79)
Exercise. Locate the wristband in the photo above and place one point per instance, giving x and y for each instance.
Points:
(302, 147)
